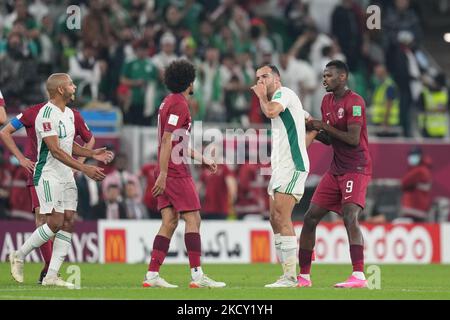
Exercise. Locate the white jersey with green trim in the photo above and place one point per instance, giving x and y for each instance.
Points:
(51, 121)
(288, 133)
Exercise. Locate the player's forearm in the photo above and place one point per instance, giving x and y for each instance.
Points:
(268, 107)
(11, 145)
(164, 155)
(323, 137)
(344, 136)
(3, 116)
(310, 136)
(67, 159)
(195, 155)
(90, 146)
(80, 151)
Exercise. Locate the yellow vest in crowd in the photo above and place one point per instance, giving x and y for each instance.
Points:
(379, 105)
(435, 118)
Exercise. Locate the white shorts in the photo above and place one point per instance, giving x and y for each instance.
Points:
(288, 181)
(60, 196)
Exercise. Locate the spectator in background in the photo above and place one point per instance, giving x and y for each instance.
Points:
(88, 193)
(348, 27)
(120, 176)
(100, 34)
(148, 172)
(86, 70)
(19, 198)
(385, 102)
(18, 73)
(5, 184)
(133, 203)
(111, 208)
(435, 105)
(138, 80)
(220, 192)
(416, 187)
(399, 18)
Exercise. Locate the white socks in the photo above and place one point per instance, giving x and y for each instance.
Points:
(289, 255)
(61, 246)
(359, 275)
(277, 240)
(40, 236)
(196, 273)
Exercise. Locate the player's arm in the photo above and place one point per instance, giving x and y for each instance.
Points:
(350, 137)
(92, 172)
(3, 116)
(271, 109)
(89, 145)
(164, 157)
(310, 134)
(100, 154)
(6, 136)
(197, 156)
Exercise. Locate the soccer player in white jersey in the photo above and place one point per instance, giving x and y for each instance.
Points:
(53, 178)
(3, 116)
(289, 162)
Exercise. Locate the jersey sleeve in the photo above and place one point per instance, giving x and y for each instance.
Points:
(355, 111)
(176, 117)
(81, 128)
(282, 97)
(46, 127)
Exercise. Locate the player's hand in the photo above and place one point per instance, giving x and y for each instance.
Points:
(103, 155)
(315, 125)
(160, 185)
(260, 90)
(93, 172)
(27, 164)
(210, 164)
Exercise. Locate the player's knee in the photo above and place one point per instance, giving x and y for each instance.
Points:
(350, 220)
(310, 222)
(171, 224)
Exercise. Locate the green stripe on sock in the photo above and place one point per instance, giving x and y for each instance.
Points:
(43, 234)
(63, 237)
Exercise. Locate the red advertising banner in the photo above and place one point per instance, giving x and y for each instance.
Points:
(390, 243)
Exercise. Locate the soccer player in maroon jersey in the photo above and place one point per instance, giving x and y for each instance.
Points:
(174, 188)
(27, 119)
(343, 188)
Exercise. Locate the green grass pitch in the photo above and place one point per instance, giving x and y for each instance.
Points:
(244, 282)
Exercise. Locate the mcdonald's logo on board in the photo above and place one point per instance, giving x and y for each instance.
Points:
(115, 246)
(260, 246)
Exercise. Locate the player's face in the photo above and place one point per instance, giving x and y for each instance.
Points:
(332, 79)
(266, 77)
(69, 89)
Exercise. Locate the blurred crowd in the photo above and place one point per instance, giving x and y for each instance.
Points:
(118, 55)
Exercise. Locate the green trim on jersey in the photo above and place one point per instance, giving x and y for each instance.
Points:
(43, 153)
(291, 130)
(48, 194)
(47, 112)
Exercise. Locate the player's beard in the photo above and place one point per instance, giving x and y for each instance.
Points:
(69, 96)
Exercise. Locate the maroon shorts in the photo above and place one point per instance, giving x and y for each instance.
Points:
(334, 191)
(181, 194)
(34, 197)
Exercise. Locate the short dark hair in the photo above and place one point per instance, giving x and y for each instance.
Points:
(339, 65)
(179, 75)
(272, 67)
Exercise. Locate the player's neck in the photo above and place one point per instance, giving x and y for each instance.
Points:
(339, 93)
(60, 104)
